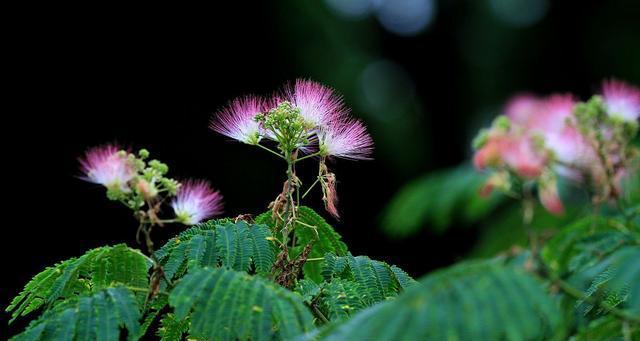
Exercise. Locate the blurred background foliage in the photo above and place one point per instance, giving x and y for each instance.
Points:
(424, 75)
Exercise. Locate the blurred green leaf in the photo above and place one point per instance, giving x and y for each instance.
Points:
(437, 200)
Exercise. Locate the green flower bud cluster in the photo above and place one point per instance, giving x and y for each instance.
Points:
(287, 126)
(149, 183)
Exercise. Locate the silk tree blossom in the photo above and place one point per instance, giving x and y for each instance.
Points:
(318, 104)
(548, 194)
(196, 201)
(518, 153)
(108, 166)
(347, 139)
(621, 100)
(552, 119)
(237, 120)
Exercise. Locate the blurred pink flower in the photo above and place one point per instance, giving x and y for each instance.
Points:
(105, 165)
(318, 104)
(347, 138)
(548, 193)
(521, 156)
(621, 100)
(196, 201)
(237, 119)
(522, 108)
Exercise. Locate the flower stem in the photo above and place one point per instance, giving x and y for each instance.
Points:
(307, 156)
(270, 150)
(311, 187)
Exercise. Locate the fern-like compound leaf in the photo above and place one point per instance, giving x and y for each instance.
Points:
(311, 228)
(236, 246)
(225, 304)
(97, 269)
(470, 301)
(100, 316)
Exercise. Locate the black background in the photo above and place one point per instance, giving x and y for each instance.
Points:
(152, 77)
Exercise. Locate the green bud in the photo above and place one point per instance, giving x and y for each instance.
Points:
(158, 166)
(143, 153)
(481, 139)
(502, 123)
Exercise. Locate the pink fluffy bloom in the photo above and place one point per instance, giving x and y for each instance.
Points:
(318, 104)
(549, 198)
(621, 99)
(196, 201)
(106, 166)
(521, 155)
(237, 119)
(522, 108)
(552, 119)
(515, 151)
(346, 139)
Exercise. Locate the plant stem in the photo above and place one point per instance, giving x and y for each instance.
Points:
(528, 207)
(269, 150)
(319, 313)
(307, 156)
(311, 187)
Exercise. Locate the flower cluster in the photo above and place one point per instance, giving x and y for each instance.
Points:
(305, 117)
(324, 124)
(136, 182)
(539, 138)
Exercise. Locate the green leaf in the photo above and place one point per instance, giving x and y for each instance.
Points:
(470, 301)
(100, 316)
(436, 200)
(227, 304)
(311, 228)
(606, 329)
(216, 243)
(172, 329)
(97, 269)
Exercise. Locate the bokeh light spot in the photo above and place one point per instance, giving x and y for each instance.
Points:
(520, 13)
(405, 17)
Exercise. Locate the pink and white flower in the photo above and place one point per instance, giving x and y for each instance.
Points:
(196, 201)
(108, 166)
(621, 100)
(318, 104)
(347, 138)
(237, 120)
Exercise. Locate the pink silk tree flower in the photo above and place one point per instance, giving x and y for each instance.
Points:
(318, 104)
(517, 152)
(237, 120)
(522, 108)
(552, 115)
(196, 201)
(107, 166)
(347, 139)
(621, 100)
(520, 154)
(549, 198)
(489, 154)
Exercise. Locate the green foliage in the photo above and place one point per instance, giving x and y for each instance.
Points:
(237, 246)
(172, 329)
(99, 316)
(470, 301)
(311, 227)
(436, 199)
(608, 328)
(95, 270)
(227, 305)
(598, 256)
(351, 284)
(376, 280)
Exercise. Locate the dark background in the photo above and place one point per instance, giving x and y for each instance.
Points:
(152, 77)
